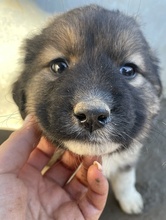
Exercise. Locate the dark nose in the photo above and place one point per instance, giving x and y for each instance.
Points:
(92, 114)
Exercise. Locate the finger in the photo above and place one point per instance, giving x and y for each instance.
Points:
(16, 150)
(82, 173)
(42, 154)
(78, 185)
(62, 170)
(93, 203)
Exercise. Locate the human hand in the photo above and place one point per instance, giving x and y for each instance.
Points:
(27, 194)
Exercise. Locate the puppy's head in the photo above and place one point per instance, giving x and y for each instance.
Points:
(91, 81)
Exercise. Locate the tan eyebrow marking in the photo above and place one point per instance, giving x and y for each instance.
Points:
(48, 54)
(138, 60)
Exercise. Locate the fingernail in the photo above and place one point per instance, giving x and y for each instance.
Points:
(98, 165)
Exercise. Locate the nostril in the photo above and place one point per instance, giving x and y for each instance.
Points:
(81, 117)
(102, 119)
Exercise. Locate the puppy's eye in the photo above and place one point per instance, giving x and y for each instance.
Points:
(58, 65)
(128, 70)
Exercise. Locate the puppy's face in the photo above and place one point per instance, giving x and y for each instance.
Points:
(91, 81)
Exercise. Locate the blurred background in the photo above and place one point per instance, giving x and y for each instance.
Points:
(22, 18)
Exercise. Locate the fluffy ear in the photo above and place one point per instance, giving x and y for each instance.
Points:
(18, 90)
(19, 97)
(30, 48)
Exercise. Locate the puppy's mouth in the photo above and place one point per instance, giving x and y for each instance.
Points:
(92, 144)
(86, 142)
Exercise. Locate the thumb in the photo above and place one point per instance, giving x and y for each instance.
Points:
(15, 151)
(94, 201)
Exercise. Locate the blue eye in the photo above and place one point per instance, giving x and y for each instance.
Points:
(128, 70)
(58, 65)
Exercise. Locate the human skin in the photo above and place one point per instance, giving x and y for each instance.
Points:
(27, 194)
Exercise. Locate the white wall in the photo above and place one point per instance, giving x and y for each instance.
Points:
(20, 18)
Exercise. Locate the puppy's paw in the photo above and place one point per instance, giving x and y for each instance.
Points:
(132, 203)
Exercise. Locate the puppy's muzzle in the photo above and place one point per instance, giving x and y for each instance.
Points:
(92, 114)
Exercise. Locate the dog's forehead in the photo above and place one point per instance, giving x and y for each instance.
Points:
(92, 29)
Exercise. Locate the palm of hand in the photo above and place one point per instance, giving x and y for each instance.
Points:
(27, 194)
(46, 199)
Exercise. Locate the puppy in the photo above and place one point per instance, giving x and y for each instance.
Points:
(92, 82)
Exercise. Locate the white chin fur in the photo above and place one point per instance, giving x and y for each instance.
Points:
(89, 149)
